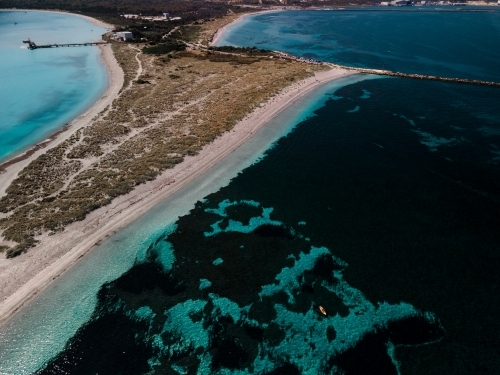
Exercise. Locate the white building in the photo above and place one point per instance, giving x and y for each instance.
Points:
(125, 35)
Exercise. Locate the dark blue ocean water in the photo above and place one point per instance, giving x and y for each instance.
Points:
(445, 41)
(382, 208)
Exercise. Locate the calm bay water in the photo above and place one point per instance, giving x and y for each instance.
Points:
(44, 89)
(415, 40)
(381, 206)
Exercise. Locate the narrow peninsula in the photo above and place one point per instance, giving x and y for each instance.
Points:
(172, 111)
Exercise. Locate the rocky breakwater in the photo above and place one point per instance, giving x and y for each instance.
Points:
(417, 76)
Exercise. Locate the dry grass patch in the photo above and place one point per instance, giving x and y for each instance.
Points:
(192, 98)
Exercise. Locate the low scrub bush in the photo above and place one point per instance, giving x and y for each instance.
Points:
(164, 48)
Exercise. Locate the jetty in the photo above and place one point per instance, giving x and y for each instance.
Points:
(33, 45)
(416, 76)
(390, 73)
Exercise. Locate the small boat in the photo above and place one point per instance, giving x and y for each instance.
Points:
(322, 310)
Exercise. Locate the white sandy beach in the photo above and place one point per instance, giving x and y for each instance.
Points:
(218, 35)
(27, 275)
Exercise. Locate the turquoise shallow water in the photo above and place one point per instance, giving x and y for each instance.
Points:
(378, 202)
(44, 89)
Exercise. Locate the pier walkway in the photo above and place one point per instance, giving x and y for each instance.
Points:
(32, 45)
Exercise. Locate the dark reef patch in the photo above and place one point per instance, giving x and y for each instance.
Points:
(325, 266)
(330, 333)
(243, 212)
(368, 357)
(148, 276)
(414, 330)
(270, 230)
(286, 369)
(261, 307)
(110, 344)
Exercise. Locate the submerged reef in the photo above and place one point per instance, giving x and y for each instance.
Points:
(232, 291)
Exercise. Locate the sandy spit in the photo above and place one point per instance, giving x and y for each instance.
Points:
(25, 276)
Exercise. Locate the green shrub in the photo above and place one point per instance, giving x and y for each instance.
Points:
(164, 48)
(21, 248)
(245, 50)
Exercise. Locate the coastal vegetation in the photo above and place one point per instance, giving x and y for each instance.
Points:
(185, 17)
(245, 50)
(193, 97)
(164, 48)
